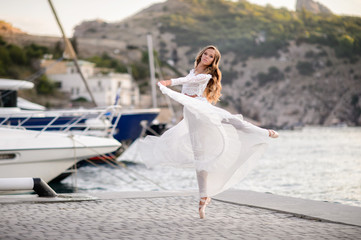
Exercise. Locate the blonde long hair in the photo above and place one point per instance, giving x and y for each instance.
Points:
(214, 87)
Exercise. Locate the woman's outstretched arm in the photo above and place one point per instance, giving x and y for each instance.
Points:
(200, 78)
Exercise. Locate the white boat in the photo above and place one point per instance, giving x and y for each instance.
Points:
(15, 111)
(59, 142)
(45, 155)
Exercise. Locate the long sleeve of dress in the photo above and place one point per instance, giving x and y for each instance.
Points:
(199, 79)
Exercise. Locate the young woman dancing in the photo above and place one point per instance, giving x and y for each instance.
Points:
(222, 147)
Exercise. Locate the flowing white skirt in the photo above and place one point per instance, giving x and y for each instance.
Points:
(208, 139)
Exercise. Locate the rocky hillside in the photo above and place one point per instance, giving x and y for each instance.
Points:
(281, 68)
(8, 29)
(277, 68)
(312, 6)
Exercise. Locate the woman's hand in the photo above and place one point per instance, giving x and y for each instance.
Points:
(165, 82)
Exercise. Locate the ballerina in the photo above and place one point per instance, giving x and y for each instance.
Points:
(222, 147)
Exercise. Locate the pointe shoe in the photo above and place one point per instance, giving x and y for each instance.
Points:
(272, 133)
(202, 206)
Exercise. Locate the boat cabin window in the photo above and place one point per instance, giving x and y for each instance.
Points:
(7, 156)
(8, 98)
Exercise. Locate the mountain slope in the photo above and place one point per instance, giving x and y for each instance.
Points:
(281, 68)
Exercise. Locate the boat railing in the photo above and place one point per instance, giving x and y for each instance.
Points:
(99, 122)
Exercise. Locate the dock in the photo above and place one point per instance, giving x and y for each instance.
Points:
(233, 214)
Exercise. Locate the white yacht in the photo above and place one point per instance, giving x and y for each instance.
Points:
(45, 155)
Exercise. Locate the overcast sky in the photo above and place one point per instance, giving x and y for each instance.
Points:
(35, 16)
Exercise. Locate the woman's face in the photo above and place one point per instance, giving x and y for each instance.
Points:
(208, 56)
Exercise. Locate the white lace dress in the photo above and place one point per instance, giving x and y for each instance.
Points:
(208, 138)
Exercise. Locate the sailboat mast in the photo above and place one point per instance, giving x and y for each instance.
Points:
(152, 72)
(69, 47)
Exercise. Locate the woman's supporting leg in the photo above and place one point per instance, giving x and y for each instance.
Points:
(197, 136)
(203, 202)
(202, 183)
(204, 199)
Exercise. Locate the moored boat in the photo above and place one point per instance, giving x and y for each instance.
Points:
(127, 121)
(26, 153)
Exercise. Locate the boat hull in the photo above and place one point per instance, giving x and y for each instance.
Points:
(25, 153)
(129, 127)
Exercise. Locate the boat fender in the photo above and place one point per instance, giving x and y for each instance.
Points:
(37, 184)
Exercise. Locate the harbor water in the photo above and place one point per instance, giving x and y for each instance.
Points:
(316, 163)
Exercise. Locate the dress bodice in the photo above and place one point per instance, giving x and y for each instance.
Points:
(193, 84)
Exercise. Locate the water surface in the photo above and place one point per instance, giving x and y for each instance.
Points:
(313, 163)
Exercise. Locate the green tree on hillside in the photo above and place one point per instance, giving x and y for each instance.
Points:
(250, 30)
(16, 61)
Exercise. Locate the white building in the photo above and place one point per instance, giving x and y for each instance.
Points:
(104, 87)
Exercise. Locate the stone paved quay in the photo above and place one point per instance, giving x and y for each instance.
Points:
(157, 215)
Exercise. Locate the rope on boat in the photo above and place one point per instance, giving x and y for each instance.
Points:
(110, 161)
(111, 173)
(96, 165)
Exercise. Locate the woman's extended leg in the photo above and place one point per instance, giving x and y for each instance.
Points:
(250, 128)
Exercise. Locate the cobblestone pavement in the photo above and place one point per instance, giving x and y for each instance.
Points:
(159, 218)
